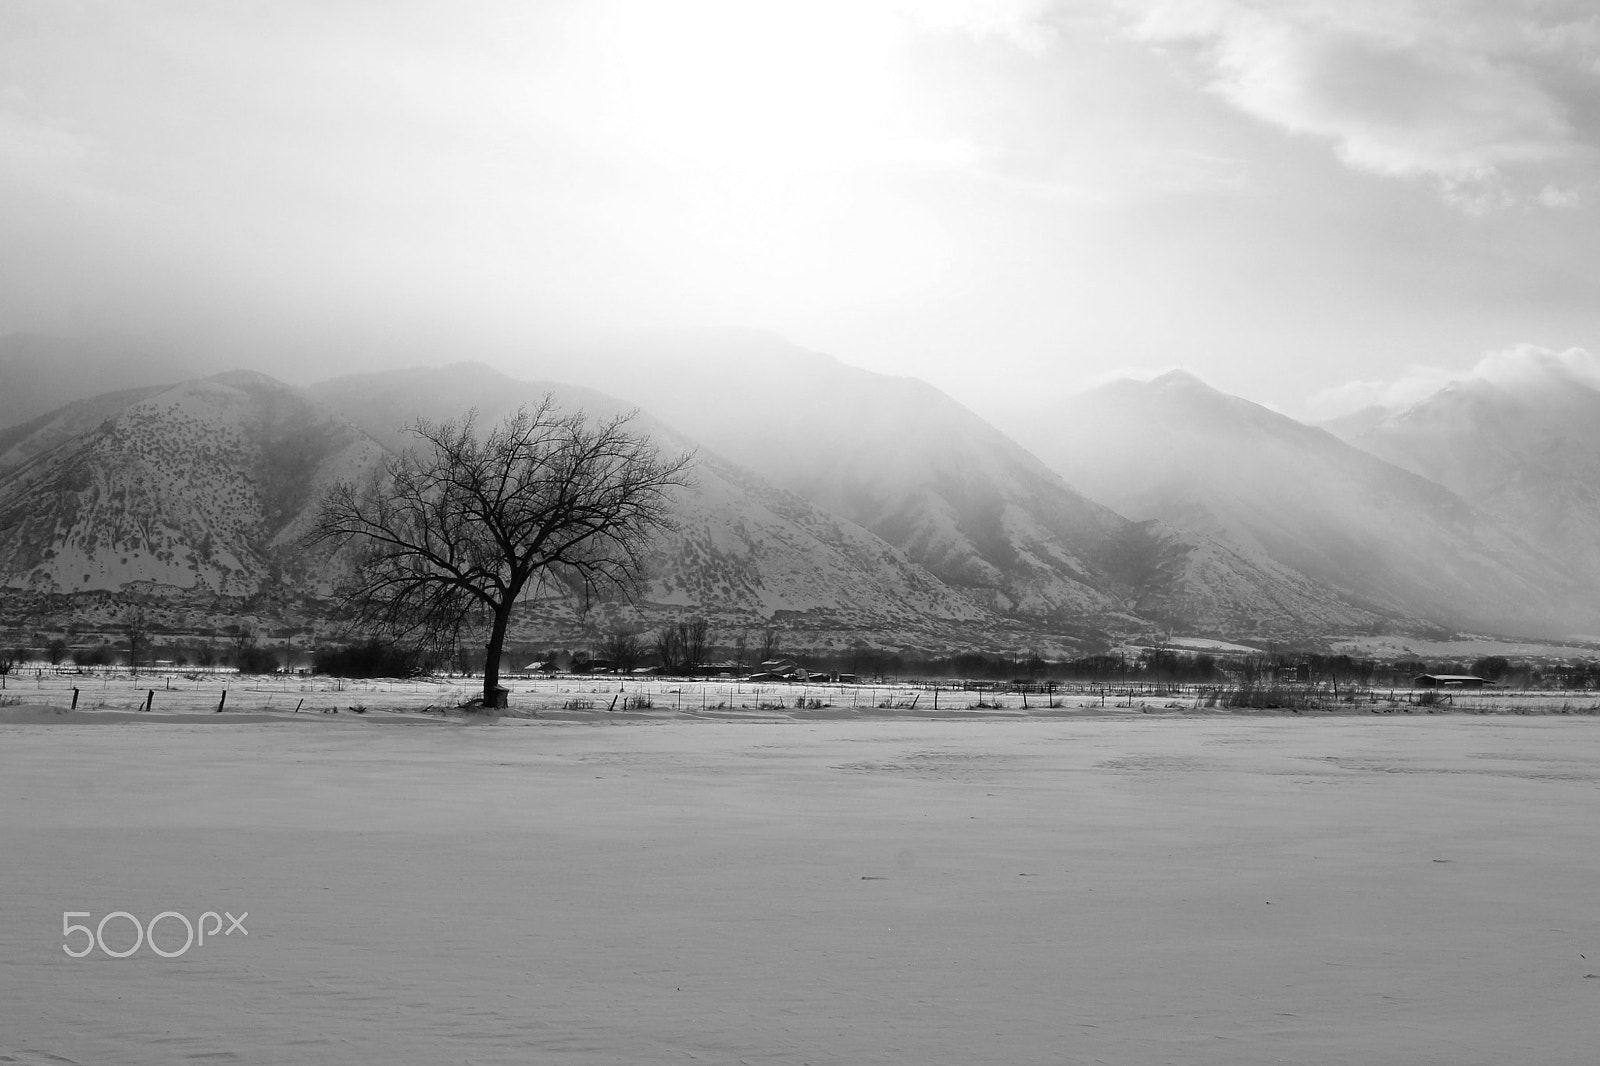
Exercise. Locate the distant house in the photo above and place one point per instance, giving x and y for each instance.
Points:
(1031, 684)
(540, 668)
(1449, 681)
(779, 670)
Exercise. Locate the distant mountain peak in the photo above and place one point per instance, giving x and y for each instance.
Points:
(1179, 377)
(249, 380)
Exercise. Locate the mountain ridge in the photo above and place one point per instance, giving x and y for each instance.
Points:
(1380, 538)
(844, 500)
(1525, 450)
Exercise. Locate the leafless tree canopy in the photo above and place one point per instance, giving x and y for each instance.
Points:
(138, 628)
(461, 524)
(624, 648)
(681, 648)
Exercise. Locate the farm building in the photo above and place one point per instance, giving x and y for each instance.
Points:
(1448, 681)
(779, 670)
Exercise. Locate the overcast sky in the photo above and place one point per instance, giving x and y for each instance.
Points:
(1011, 198)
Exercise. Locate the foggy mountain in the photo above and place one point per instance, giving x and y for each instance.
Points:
(895, 456)
(40, 372)
(1523, 448)
(1382, 538)
(921, 472)
(955, 493)
(830, 499)
(26, 440)
(743, 551)
(201, 488)
(187, 490)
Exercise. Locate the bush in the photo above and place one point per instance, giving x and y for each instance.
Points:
(1268, 695)
(99, 655)
(256, 660)
(372, 658)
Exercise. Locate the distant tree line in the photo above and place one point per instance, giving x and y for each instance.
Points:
(690, 645)
(369, 658)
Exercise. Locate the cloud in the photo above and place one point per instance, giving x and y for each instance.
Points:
(1529, 363)
(1520, 365)
(1415, 383)
(34, 150)
(1492, 100)
(1023, 23)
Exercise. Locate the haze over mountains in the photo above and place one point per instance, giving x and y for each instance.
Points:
(1523, 448)
(1380, 537)
(856, 506)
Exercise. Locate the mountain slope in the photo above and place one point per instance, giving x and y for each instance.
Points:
(743, 550)
(1381, 538)
(204, 488)
(25, 441)
(956, 494)
(40, 372)
(893, 455)
(1524, 449)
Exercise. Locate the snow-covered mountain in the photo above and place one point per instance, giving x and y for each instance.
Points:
(204, 487)
(837, 501)
(1523, 447)
(953, 491)
(1374, 536)
(893, 455)
(41, 372)
(743, 550)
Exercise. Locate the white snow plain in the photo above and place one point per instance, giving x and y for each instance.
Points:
(1228, 890)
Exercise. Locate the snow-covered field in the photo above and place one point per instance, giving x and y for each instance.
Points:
(601, 698)
(1095, 887)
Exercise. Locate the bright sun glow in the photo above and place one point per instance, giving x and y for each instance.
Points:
(764, 140)
(753, 87)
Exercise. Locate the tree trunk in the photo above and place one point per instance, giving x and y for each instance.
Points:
(493, 696)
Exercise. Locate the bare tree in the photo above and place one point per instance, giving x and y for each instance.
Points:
(138, 628)
(7, 661)
(668, 649)
(462, 525)
(682, 647)
(623, 648)
(693, 633)
(767, 648)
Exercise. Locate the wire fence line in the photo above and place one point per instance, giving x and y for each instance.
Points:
(198, 691)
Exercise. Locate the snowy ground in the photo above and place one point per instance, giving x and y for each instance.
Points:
(1121, 888)
(601, 698)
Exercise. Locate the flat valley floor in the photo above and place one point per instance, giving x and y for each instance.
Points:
(1107, 889)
